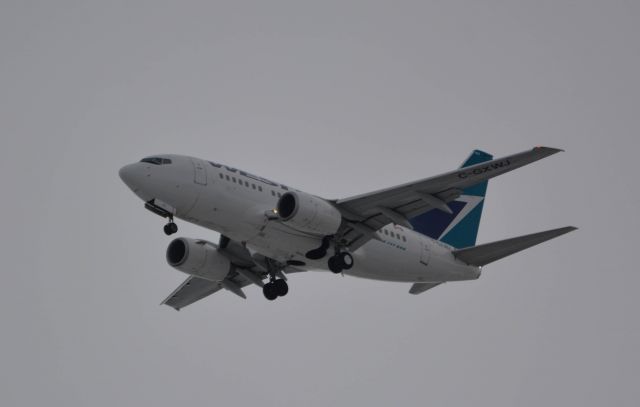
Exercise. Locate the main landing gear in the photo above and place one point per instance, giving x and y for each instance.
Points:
(276, 287)
(320, 252)
(170, 228)
(339, 262)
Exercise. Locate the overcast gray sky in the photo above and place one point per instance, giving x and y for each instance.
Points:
(336, 98)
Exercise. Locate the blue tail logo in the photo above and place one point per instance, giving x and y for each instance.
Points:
(460, 228)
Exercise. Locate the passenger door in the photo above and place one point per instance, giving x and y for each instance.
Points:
(200, 171)
(425, 254)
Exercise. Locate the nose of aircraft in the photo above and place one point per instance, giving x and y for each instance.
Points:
(132, 176)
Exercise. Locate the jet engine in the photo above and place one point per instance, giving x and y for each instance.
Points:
(198, 258)
(308, 213)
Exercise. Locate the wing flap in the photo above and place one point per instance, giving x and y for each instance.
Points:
(489, 252)
(191, 290)
(194, 289)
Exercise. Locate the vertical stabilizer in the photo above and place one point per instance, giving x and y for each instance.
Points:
(459, 228)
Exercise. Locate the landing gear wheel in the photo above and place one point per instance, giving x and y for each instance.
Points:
(170, 228)
(270, 291)
(346, 260)
(276, 287)
(335, 265)
(281, 287)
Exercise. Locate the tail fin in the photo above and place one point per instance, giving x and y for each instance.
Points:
(490, 252)
(459, 228)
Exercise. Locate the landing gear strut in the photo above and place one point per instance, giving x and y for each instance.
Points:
(170, 228)
(162, 209)
(320, 252)
(340, 261)
(276, 287)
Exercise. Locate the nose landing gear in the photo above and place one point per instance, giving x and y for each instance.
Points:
(170, 228)
(162, 209)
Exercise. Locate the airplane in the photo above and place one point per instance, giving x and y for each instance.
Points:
(422, 232)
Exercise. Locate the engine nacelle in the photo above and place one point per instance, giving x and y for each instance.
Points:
(308, 213)
(198, 258)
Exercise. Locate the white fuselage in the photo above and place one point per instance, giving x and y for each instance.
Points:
(241, 206)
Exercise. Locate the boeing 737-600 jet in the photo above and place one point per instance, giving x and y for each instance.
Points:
(422, 232)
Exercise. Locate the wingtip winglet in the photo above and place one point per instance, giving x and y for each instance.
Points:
(563, 230)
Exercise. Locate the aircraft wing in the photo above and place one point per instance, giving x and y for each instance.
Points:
(190, 291)
(365, 214)
(246, 270)
(194, 289)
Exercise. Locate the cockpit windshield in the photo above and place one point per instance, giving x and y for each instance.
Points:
(156, 160)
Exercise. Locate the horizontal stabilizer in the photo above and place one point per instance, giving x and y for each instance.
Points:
(419, 288)
(489, 252)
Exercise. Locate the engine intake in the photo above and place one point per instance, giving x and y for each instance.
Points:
(287, 206)
(198, 258)
(308, 213)
(177, 252)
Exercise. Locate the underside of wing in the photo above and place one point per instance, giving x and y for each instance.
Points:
(194, 289)
(190, 291)
(246, 269)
